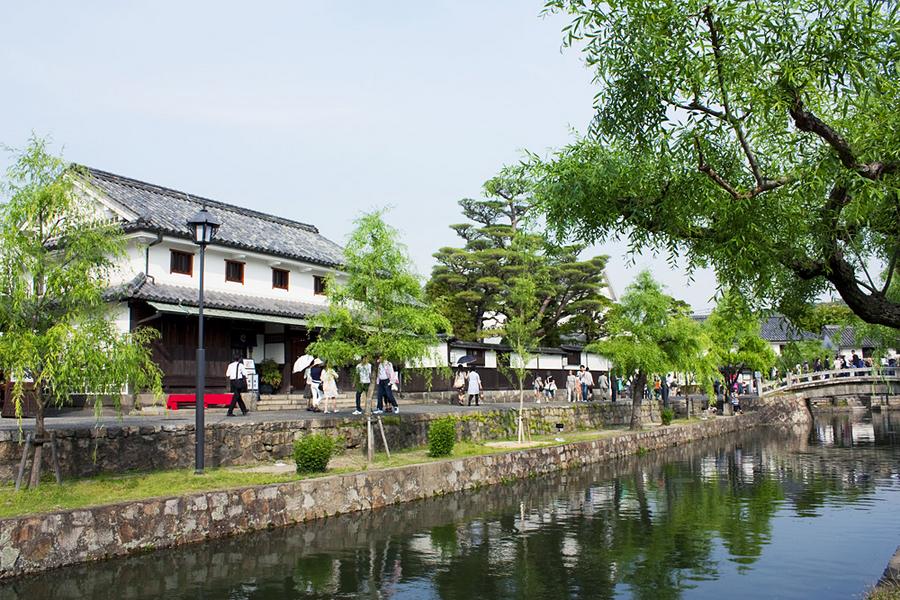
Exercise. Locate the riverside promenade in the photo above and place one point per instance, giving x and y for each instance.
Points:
(81, 419)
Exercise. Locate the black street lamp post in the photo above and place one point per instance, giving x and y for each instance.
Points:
(203, 228)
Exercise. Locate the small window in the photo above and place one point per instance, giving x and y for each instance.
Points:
(318, 285)
(182, 262)
(573, 358)
(234, 271)
(280, 278)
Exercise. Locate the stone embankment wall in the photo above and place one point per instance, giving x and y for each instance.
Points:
(45, 541)
(84, 452)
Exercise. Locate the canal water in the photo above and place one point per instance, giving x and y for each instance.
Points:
(766, 514)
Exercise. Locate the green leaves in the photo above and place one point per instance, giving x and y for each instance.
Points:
(379, 310)
(472, 283)
(734, 332)
(721, 132)
(649, 334)
(57, 255)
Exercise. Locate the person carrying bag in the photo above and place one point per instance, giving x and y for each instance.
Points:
(237, 380)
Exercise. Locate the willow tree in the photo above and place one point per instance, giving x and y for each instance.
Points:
(379, 309)
(650, 334)
(761, 138)
(736, 343)
(57, 337)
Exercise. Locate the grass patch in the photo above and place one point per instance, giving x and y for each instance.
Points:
(109, 489)
(889, 591)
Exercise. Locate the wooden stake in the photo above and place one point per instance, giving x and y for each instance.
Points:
(23, 461)
(384, 437)
(370, 441)
(55, 456)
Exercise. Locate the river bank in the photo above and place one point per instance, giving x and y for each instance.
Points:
(36, 543)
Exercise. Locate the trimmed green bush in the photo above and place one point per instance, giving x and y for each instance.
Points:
(313, 452)
(441, 436)
(666, 414)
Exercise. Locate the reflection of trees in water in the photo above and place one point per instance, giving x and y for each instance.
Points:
(652, 524)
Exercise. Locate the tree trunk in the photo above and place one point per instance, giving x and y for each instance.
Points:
(370, 434)
(637, 394)
(521, 433)
(40, 434)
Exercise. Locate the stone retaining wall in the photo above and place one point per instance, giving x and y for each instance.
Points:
(84, 452)
(39, 542)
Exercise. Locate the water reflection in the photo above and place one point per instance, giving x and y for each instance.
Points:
(688, 522)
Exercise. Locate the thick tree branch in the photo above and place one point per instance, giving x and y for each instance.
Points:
(807, 121)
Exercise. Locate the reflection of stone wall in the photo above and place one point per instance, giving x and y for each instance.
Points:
(120, 449)
(35, 543)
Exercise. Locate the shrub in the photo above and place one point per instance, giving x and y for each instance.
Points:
(441, 436)
(269, 373)
(666, 414)
(313, 452)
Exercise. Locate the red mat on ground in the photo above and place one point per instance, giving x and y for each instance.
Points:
(174, 400)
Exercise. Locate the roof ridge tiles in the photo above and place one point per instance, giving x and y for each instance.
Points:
(199, 200)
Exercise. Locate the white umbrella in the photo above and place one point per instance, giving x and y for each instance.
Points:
(302, 363)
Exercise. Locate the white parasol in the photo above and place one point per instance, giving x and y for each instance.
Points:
(302, 363)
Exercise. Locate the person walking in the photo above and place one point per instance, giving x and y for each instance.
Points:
(315, 383)
(385, 376)
(475, 387)
(550, 388)
(571, 384)
(603, 384)
(329, 388)
(587, 382)
(459, 384)
(538, 389)
(664, 390)
(237, 383)
(363, 379)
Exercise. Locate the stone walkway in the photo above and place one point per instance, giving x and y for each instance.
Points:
(82, 419)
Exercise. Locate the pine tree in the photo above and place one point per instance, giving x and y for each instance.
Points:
(473, 284)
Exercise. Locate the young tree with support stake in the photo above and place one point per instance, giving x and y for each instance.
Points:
(650, 334)
(521, 326)
(379, 310)
(55, 331)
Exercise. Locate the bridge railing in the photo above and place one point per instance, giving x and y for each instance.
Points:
(795, 379)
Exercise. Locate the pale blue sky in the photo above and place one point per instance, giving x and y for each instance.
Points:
(313, 111)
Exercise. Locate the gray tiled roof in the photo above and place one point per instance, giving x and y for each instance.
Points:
(165, 210)
(845, 337)
(778, 328)
(145, 289)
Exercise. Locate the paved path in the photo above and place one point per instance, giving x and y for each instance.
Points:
(85, 419)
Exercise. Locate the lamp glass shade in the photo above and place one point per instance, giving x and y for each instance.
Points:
(203, 226)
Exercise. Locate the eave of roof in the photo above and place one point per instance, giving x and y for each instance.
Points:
(163, 210)
(144, 289)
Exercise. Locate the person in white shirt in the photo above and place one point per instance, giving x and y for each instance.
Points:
(385, 376)
(571, 387)
(474, 387)
(363, 377)
(237, 382)
(587, 382)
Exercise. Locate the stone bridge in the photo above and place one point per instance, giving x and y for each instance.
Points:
(870, 387)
